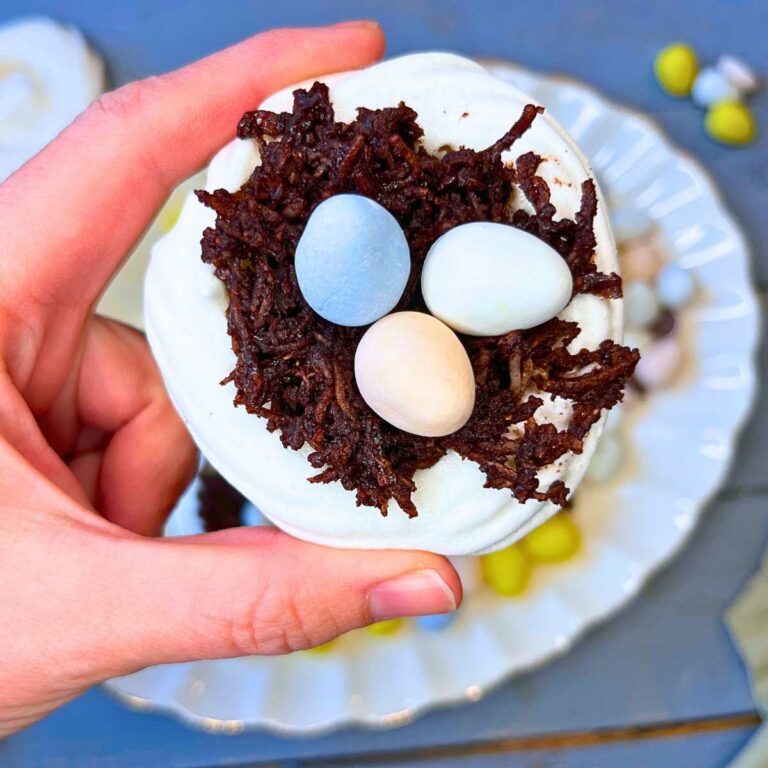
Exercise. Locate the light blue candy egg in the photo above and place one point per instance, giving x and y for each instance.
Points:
(675, 286)
(436, 621)
(250, 515)
(352, 261)
(711, 86)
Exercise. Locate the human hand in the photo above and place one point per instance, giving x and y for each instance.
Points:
(92, 455)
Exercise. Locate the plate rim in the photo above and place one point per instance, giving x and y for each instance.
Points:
(408, 714)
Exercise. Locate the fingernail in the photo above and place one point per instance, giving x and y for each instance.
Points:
(418, 593)
(358, 24)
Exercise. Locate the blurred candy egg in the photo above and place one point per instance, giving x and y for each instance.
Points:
(436, 621)
(486, 279)
(413, 372)
(738, 73)
(506, 571)
(676, 67)
(711, 86)
(730, 122)
(675, 286)
(386, 627)
(629, 223)
(659, 363)
(607, 459)
(352, 261)
(553, 541)
(641, 306)
(639, 260)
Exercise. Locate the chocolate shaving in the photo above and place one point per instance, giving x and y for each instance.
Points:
(295, 369)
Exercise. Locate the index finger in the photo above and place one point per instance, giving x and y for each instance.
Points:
(73, 212)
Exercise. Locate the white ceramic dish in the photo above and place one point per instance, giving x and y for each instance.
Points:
(682, 442)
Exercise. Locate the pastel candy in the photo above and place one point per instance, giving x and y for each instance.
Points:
(730, 122)
(412, 371)
(352, 261)
(639, 260)
(608, 458)
(641, 306)
(675, 286)
(435, 622)
(506, 571)
(738, 73)
(629, 223)
(553, 541)
(486, 279)
(386, 627)
(711, 86)
(676, 67)
(660, 363)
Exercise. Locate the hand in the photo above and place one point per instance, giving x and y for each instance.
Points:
(93, 457)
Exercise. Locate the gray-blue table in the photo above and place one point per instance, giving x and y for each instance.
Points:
(660, 684)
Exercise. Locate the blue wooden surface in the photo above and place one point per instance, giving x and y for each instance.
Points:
(666, 658)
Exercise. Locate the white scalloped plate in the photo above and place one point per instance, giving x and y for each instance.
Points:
(682, 442)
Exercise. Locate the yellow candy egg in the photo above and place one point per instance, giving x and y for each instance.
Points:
(324, 648)
(730, 122)
(388, 627)
(553, 541)
(676, 67)
(170, 213)
(506, 571)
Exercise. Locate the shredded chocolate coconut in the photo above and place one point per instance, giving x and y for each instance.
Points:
(295, 369)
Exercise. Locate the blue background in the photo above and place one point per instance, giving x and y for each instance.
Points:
(666, 662)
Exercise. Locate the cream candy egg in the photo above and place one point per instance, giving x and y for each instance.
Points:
(487, 279)
(413, 372)
(458, 104)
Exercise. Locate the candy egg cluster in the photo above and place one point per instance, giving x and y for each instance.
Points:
(480, 279)
(656, 291)
(719, 89)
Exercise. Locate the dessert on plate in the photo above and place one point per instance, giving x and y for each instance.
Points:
(393, 317)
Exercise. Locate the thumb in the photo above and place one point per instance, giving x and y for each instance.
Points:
(254, 591)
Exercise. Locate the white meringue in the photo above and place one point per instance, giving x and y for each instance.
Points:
(458, 103)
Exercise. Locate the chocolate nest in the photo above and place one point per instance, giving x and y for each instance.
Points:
(295, 369)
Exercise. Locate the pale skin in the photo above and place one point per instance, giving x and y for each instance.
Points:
(93, 456)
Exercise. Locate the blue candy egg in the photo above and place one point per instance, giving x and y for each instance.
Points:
(352, 261)
(675, 286)
(436, 621)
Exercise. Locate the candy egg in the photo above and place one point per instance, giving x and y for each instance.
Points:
(324, 648)
(629, 223)
(506, 571)
(730, 122)
(641, 306)
(436, 621)
(659, 364)
(607, 459)
(386, 627)
(553, 541)
(711, 86)
(352, 261)
(413, 372)
(676, 67)
(738, 73)
(486, 279)
(675, 286)
(639, 260)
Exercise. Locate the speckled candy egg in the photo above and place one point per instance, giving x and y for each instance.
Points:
(486, 279)
(412, 371)
(352, 261)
